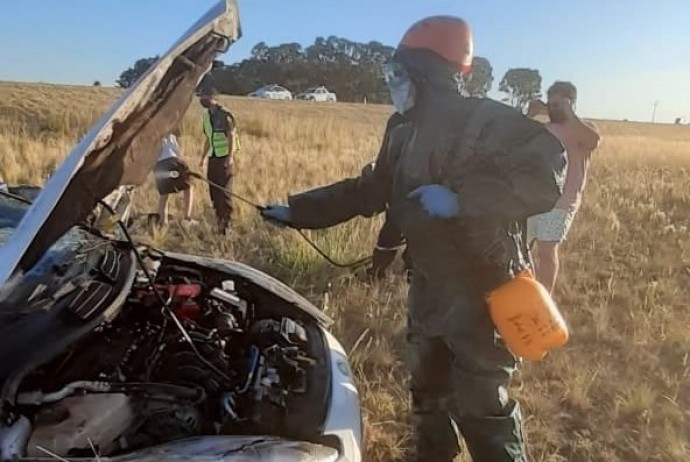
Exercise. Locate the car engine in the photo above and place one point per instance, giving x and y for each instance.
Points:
(188, 357)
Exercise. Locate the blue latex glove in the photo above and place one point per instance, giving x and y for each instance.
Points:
(279, 214)
(437, 200)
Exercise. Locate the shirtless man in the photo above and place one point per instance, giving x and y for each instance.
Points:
(580, 139)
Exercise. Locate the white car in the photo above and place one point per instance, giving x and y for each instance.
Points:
(272, 92)
(114, 351)
(318, 94)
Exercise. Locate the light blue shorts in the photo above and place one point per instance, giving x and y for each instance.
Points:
(552, 226)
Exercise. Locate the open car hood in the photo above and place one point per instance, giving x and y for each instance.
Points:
(122, 147)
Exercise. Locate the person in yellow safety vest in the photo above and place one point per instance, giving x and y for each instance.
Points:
(221, 143)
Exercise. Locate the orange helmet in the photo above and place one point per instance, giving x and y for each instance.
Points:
(447, 36)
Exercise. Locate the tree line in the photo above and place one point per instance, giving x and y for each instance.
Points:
(350, 69)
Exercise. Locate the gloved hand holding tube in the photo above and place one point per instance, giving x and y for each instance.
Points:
(278, 214)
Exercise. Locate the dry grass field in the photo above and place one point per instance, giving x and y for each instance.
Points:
(619, 391)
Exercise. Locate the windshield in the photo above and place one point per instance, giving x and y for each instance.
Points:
(12, 209)
(11, 212)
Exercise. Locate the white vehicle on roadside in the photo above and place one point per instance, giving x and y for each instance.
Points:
(272, 92)
(318, 94)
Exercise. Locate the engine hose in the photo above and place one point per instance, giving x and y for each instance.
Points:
(253, 365)
(311, 243)
(38, 397)
(35, 398)
(177, 392)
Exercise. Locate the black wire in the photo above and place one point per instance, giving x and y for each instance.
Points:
(311, 243)
(353, 264)
(16, 197)
(258, 207)
(236, 196)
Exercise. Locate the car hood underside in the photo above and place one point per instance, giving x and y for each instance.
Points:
(122, 147)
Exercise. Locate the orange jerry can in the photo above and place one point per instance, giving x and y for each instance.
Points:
(527, 318)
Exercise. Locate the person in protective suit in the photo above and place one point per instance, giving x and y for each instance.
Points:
(459, 177)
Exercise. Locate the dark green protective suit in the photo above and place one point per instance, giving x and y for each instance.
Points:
(388, 242)
(504, 167)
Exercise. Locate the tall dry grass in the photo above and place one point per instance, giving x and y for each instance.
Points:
(619, 391)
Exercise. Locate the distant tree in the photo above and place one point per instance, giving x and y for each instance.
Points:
(478, 83)
(521, 86)
(350, 69)
(260, 51)
(97, 83)
(131, 75)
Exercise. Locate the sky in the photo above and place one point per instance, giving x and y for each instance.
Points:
(622, 55)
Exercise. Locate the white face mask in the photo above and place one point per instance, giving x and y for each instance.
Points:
(403, 96)
(400, 87)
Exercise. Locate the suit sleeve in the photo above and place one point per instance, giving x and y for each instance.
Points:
(512, 184)
(364, 195)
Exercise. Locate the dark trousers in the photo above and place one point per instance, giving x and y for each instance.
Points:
(217, 173)
(459, 377)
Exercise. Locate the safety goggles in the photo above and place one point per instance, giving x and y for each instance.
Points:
(394, 74)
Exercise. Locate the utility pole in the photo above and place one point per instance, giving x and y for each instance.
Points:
(656, 104)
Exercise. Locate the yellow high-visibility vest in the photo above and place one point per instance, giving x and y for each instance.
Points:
(220, 146)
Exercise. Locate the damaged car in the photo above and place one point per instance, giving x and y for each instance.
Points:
(115, 351)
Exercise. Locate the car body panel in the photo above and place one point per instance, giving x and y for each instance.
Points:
(121, 148)
(344, 419)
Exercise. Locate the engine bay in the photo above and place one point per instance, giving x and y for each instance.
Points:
(192, 352)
